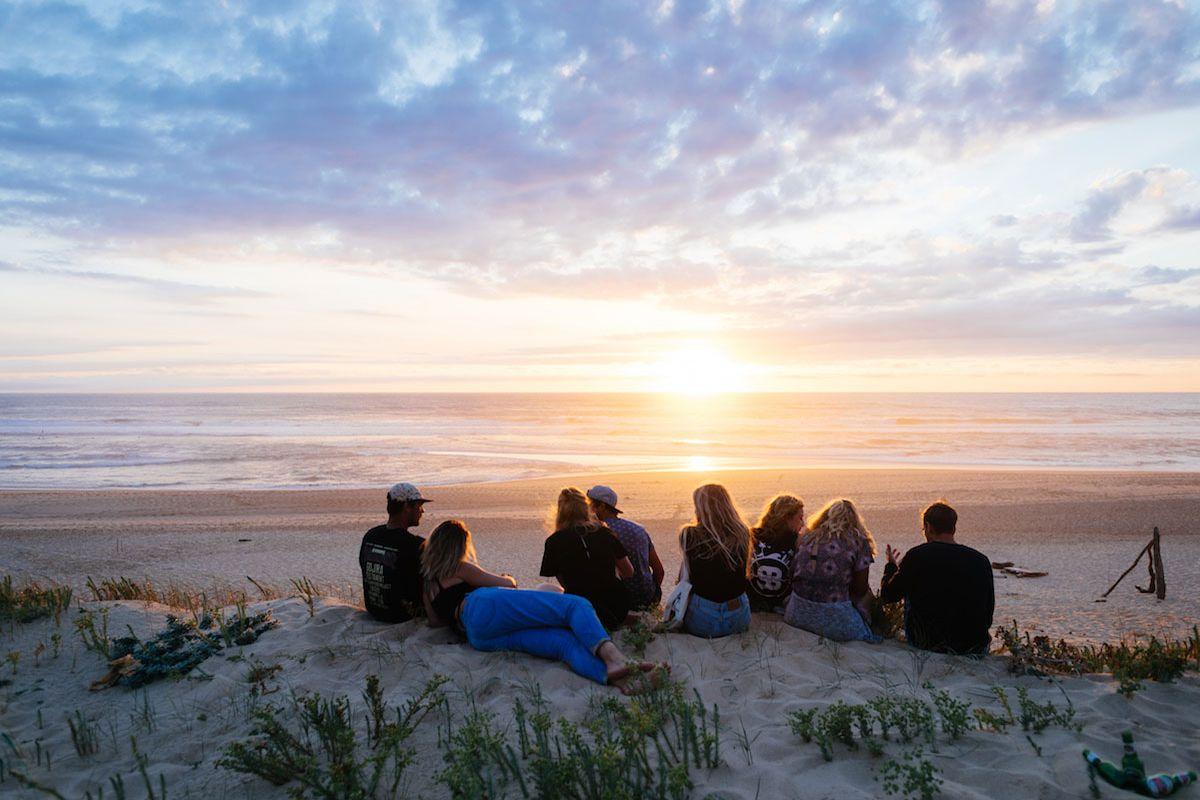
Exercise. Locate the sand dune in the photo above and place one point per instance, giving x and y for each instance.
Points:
(755, 679)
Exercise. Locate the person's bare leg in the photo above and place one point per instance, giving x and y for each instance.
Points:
(620, 668)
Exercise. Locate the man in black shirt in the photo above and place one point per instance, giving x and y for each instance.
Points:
(390, 558)
(946, 587)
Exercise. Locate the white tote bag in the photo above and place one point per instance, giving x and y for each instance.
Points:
(677, 603)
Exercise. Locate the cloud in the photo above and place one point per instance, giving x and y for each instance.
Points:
(172, 290)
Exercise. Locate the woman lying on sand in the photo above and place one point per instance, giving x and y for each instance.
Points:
(493, 614)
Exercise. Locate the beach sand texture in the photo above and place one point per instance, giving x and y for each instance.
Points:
(755, 679)
(1084, 528)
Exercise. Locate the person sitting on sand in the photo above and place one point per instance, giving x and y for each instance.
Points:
(494, 615)
(587, 559)
(773, 542)
(829, 575)
(946, 587)
(645, 584)
(389, 558)
(716, 548)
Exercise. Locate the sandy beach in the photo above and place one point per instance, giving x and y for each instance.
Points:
(1083, 528)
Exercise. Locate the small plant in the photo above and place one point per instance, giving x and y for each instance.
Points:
(913, 777)
(323, 755)
(13, 658)
(1036, 717)
(887, 619)
(260, 673)
(637, 636)
(955, 715)
(1128, 662)
(32, 601)
(93, 633)
(85, 735)
(308, 592)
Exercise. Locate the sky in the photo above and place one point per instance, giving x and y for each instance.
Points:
(596, 196)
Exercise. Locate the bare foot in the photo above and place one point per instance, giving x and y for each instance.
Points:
(644, 677)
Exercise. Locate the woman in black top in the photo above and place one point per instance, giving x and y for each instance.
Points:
(493, 615)
(588, 559)
(773, 542)
(716, 549)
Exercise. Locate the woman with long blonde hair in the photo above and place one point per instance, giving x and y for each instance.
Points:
(716, 549)
(494, 615)
(587, 558)
(829, 577)
(774, 547)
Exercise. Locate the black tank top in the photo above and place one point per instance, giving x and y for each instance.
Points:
(447, 600)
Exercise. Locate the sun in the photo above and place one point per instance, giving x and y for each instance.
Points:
(697, 370)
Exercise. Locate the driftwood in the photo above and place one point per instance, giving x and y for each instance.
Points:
(1158, 581)
(1008, 568)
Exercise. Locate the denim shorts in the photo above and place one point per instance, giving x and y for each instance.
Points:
(711, 620)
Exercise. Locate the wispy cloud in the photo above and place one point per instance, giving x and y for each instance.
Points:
(168, 289)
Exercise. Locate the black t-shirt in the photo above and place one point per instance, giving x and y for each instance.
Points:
(949, 597)
(390, 560)
(711, 576)
(771, 573)
(584, 559)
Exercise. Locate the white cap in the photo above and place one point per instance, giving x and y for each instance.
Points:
(406, 493)
(604, 495)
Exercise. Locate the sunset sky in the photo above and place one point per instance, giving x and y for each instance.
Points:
(956, 196)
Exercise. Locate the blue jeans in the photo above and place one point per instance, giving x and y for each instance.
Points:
(563, 627)
(710, 620)
(840, 622)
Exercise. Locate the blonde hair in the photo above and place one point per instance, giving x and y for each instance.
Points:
(772, 525)
(838, 521)
(448, 548)
(718, 528)
(570, 511)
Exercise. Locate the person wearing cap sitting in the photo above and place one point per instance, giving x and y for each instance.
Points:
(645, 584)
(390, 558)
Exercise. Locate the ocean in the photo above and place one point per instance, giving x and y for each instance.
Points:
(260, 441)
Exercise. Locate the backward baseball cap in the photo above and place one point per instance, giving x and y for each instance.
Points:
(406, 493)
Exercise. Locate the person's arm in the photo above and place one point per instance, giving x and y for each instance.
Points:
(433, 619)
(656, 566)
(476, 575)
(624, 568)
(894, 586)
(859, 586)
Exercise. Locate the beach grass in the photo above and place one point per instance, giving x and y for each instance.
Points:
(1130, 662)
(32, 601)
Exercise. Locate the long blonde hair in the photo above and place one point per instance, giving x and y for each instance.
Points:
(772, 526)
(838, 521)
(718, 528)
(570, 511)
(448, 548)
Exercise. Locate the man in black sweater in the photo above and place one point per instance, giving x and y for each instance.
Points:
(390, 558)
(946, 588)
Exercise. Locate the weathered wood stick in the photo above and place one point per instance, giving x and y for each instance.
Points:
(1126, 572)
(1156, 554)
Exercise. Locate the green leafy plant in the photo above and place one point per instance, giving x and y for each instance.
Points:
(914, 776)
(646, 747)
(322, 754)
(1128, 662)
(637, 637)
(92, 628)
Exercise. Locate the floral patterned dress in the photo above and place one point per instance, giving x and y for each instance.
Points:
(820, 600)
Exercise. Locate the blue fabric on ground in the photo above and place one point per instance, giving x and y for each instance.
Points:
(563, 627)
